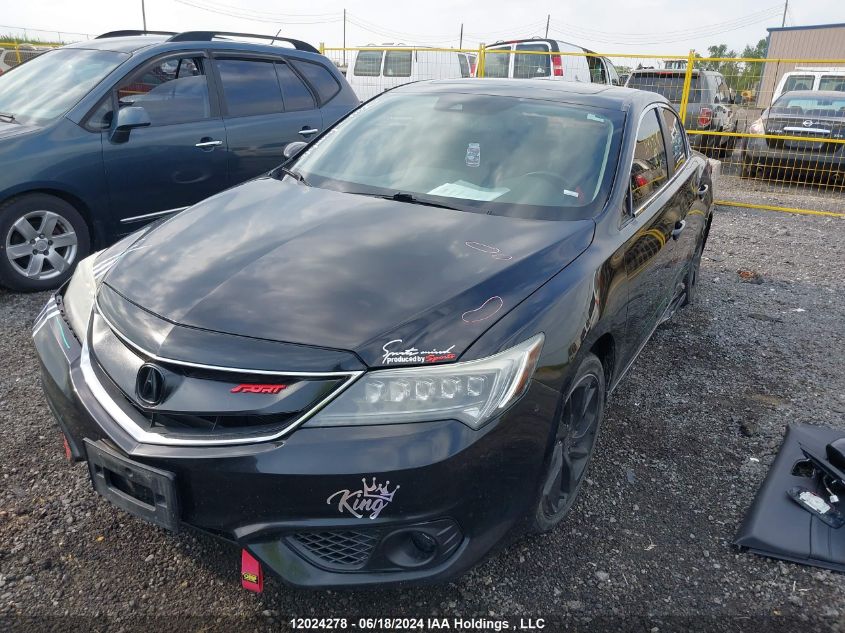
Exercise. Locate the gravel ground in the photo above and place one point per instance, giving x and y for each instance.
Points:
(688, 438)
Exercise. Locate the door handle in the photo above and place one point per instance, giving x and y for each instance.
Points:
(679, 226)
(208, 143)
(702, 190)
(306, 131)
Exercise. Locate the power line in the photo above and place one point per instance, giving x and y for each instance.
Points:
(265, 18)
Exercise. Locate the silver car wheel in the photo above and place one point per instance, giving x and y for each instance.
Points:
(41, 245)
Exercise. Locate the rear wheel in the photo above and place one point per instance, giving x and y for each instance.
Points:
(42, 237)
(575, 440)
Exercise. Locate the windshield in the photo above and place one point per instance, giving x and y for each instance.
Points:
(810, 106)
(668, 84)
(491, 154)
(46, 87)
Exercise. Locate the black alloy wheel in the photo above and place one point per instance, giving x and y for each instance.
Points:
(574, 442)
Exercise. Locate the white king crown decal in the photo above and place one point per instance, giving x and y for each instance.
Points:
(372, 498)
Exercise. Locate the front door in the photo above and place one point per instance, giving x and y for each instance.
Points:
(180, 158)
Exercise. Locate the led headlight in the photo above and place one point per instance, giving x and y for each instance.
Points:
(79, 298)
(472, 391)
(82, 290)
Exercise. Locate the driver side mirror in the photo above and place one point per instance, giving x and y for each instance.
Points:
(292, 149)
(129, 118)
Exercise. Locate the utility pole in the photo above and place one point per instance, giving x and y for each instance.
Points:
(344, 37)
(461, 38)
(785, 8)
(144, 14)
(548, 19)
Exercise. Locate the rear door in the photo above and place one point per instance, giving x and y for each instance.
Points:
(497, 61)
(529, 64)
(266, 105)
(181, 157)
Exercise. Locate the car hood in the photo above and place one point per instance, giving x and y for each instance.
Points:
(281, 261)
(9, 130)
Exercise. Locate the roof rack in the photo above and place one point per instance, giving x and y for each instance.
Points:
(131, 33)
(207, 36)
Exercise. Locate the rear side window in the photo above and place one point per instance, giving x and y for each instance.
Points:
(598, 73)
(397, 64)
(529, 65)
(648, 171)
(496, 62)
(464, 64)
(798, 82)
(832, 82)
(250, 87)
(367, 64)
(296, 94)
(676, 137)
(320, 79)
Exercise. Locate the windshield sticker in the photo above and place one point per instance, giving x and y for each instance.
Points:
(468, 191)
(484, 311)
(494, 252)
(574, 194)
(473, 157)
(593, 117)
(371, 498)
(414, 355)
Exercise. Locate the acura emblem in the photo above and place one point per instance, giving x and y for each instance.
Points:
(807, 123)
(150, 384)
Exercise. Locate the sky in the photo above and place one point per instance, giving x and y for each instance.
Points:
(610, 26)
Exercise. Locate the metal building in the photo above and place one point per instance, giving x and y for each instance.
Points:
(819, 41)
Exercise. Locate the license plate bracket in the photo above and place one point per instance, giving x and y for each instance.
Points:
(144, 491)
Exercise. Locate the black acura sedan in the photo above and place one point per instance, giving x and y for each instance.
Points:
(379, 361)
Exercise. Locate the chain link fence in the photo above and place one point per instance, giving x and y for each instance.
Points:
(776, 126)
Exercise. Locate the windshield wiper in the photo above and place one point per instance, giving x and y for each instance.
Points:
(294, 174)
(401, 196)
(9, 118)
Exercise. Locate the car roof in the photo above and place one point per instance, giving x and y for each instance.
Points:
(599, 95)
(135, 43)
(814, 94)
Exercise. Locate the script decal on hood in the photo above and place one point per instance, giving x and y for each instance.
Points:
(414, 355)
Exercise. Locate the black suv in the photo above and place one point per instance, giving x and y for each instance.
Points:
(197, 112)
(710, 108)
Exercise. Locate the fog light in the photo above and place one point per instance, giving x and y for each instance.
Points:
(424, 542)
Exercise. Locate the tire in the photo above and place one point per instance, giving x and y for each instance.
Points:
(692, 276)
(574, 443)
(42, 238)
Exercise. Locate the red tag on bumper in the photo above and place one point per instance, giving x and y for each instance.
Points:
(252, 578)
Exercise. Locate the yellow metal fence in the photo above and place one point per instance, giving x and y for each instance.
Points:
(775, 126)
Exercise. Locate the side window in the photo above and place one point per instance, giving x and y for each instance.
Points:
(250, 87)
(496, 61)
(598, 73)
(798, 82)
(368, 64)
(676, 140)
(172, 91)
(296, 94)
(724, 90)
(530, 65)
(648, 171)
(100, 118)
(320, 79)
(397, 64)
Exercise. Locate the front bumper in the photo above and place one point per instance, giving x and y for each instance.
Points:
(293, 502)
(758, 153)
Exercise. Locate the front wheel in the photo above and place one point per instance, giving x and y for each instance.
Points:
(575, 439)
(42, 237)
